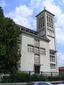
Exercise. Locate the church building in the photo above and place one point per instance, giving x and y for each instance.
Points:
(38, 48)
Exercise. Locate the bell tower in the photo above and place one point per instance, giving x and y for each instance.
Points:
(41, 23)
(46, 29)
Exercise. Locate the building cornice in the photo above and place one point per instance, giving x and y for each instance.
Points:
(38, 37)
(32, 33)
(52, 51)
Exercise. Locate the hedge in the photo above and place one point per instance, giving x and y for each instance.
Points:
(26, 77)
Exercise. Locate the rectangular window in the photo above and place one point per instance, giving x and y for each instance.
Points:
(52, 66)
(30, 48)
(42, 51)
(52, 58)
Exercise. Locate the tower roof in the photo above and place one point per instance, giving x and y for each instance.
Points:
(45, 11)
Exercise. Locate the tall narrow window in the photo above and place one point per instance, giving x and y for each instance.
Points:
(52, 56)
(49, 21)
(42, 21)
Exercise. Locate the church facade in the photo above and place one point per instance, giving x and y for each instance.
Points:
(38, 48)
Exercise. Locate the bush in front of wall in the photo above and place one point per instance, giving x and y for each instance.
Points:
(36, 77)
(6, 79)
(54, 78)
(21, 77)
(27, 77)
(18, 77)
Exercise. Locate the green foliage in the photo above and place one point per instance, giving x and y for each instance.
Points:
(6, 79)
(26, 77)
(21, 77)
(62, 78)
(36, 77)
(1, 12)
(9, 37)
(54, 78)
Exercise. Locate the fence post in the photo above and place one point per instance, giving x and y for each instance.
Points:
(41, 73)
(29, 75)
(51, 74)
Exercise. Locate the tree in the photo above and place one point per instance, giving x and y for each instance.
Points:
(9, 37)
(1, 13)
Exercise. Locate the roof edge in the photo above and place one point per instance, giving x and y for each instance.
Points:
(44, 11)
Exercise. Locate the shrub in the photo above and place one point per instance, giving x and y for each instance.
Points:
(25, 77)
(21, 77)
(6, 79)
(54, 78)
(18, 77)
(36, 77)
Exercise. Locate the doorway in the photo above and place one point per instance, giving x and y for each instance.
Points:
(37, 69)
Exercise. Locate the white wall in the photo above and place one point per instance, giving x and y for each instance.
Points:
(42, 32)
(52, 43)
(27, 58)
(45, 60)
(51, 33)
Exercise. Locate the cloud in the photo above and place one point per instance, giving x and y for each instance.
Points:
(60, 21)
(37, 5)
(60, 59)
(60, 29)
(22, 15)
(59, 16)
(59, 36)
(48, 4)
(3, 3)
(52, 7)
(62, 1)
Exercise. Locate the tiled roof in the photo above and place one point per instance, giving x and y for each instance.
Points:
(61, 68)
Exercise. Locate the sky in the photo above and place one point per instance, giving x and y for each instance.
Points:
(23, 12)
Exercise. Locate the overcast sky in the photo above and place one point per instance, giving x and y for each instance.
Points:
(23, 12)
